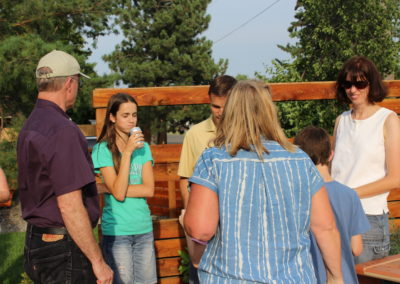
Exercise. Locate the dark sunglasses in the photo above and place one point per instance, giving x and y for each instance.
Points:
(357, 84)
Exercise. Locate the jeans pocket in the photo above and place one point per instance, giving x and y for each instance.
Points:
(382, 251)
(50, 264)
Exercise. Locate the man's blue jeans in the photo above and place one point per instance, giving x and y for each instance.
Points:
(58, 262)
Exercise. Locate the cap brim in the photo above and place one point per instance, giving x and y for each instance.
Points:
(84, 75)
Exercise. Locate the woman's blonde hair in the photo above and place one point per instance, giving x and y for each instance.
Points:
(249, 116)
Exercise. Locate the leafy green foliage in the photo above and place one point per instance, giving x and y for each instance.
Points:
(163, 47)
(25, 279)
(295, 115)
(8, 150)
(184, 266)
(328, 33)
(395, 241)
(31, 28)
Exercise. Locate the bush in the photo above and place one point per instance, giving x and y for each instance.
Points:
(184, 267)
(395, 241)
(8, 150)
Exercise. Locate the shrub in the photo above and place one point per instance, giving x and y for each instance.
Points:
(8, 150)
(395, 241)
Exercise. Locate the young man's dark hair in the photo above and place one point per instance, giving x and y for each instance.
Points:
(221, 85)
(315, 141)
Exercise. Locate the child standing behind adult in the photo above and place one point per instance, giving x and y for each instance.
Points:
(349, 214)
(125, 162)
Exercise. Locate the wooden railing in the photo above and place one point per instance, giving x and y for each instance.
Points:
(167, 200)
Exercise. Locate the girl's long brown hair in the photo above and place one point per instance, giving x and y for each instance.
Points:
(250, 115)
(108, 132)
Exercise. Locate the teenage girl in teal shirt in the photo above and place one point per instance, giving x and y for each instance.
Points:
(125, 163)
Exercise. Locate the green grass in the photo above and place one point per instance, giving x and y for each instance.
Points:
(12, 251)
(11, 257)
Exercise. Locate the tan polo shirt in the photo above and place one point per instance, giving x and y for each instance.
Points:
(196, 141)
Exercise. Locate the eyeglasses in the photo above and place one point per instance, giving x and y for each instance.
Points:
(80, 83)
(358, 84)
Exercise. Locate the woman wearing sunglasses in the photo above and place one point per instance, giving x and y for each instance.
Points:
(367, 149)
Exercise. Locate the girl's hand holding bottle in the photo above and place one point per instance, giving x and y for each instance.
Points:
(135, 141)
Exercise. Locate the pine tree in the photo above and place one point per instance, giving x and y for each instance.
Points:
(163, 46)
(31, 28)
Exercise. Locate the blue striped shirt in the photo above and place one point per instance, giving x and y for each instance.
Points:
(264, 207)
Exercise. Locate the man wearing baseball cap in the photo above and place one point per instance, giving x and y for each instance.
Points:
(56, 183)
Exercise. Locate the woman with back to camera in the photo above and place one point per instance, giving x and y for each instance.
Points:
(262, 195)
(125, 163)
(367, 149)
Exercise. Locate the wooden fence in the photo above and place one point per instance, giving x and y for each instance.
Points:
(167, 200)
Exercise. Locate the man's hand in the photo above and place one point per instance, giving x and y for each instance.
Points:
(77, 222)
(103, 273)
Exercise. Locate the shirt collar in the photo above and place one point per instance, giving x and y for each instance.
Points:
(49, 104)
(210, 126)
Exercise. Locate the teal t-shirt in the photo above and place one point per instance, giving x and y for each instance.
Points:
(131, 216)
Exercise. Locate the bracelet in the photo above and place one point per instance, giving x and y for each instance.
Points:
(203, 243)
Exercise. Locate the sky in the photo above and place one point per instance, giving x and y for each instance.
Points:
(249, 48)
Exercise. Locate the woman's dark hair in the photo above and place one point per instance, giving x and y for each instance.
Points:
(108, 133)
(360, 67)
(316, 143)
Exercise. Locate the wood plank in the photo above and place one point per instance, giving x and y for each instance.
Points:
(88, 129)
(155, 96)
(393, 88)
(168, 266)
(180, 95)
(170, 280)
(387, 268)
(166, 153)
(169, 247)
(391, 103)
(167, 228)
(100, 116)
(394, 225)
(394, 195)
(394, 209)
(302, 91)
(166, 172)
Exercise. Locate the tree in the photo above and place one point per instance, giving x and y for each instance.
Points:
(163, 47)
(31, 28)
(328, 33)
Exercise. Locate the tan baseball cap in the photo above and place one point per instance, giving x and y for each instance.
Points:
(61, 63)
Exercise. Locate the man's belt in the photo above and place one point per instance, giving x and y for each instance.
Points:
(53, 231)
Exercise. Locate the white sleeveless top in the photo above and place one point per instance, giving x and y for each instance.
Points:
(359, 156)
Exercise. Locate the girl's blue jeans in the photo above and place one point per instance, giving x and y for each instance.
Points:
(132, 258)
